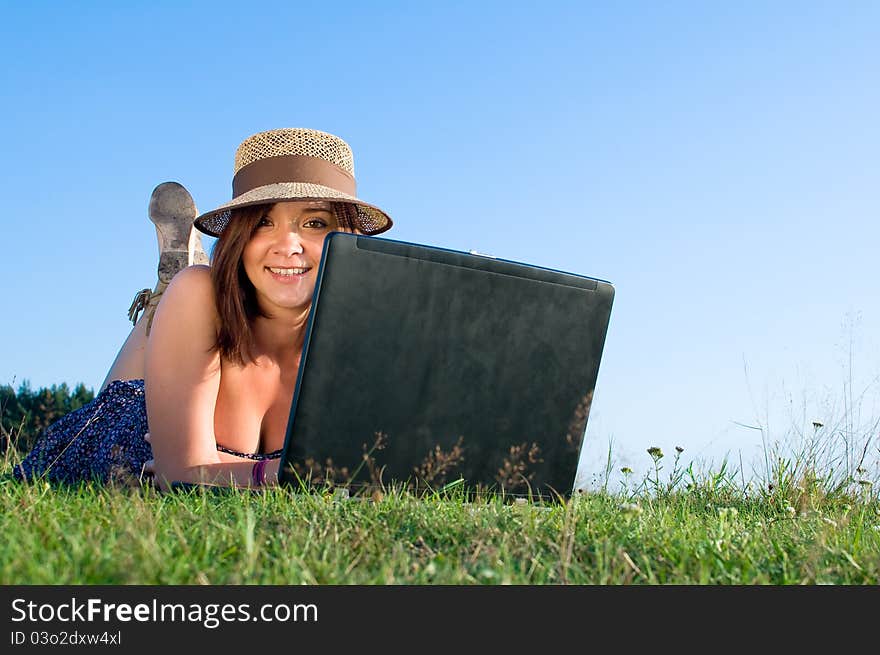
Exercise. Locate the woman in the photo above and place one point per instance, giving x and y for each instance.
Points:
(222, 356)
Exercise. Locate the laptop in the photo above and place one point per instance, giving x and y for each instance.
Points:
(434, 369)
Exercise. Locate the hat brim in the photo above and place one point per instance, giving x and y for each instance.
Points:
(371, 220)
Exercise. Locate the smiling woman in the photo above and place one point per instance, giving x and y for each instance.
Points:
(204, 398)
(282, 255)
(279, 243)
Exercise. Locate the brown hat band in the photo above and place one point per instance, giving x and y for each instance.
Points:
(292, 168)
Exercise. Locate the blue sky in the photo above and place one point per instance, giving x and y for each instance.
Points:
(717, 162)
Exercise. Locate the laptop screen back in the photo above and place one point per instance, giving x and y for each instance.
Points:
(423, 365)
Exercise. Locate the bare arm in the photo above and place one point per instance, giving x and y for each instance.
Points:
(232, 469)
(181, 383)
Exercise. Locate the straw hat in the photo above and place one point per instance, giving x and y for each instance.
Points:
(294, 164)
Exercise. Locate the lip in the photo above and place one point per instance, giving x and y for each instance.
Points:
(287, 279)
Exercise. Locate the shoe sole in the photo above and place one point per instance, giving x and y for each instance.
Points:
(172, 211)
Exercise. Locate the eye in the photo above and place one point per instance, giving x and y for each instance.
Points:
(264, 221)
(315, 222)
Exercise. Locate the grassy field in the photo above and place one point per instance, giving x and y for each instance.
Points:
(800, 529)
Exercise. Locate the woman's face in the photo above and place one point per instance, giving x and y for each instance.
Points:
(281, 259)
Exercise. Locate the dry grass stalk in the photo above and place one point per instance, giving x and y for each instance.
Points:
(579, 422)
(514, 471)
(438, 463)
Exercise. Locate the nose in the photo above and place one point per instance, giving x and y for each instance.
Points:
(288, 243)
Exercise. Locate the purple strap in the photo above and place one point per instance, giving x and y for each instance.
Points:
(258, 473)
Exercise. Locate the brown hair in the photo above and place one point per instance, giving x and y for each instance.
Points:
(234, 294)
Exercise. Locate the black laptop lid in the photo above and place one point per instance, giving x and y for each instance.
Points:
(425, 365)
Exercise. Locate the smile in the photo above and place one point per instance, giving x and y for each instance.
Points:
(287, 272)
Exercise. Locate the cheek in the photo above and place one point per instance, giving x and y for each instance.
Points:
(252, 254)
(314, 249)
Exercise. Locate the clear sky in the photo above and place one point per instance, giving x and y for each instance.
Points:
(717, 162)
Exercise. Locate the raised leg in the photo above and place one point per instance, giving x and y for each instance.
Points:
(172, 211)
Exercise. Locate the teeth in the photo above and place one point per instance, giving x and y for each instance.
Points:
(288, 271)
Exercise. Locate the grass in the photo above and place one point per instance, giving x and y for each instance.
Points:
(708, 532)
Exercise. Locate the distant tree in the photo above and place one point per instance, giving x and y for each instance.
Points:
(12, 416)
(26, 413)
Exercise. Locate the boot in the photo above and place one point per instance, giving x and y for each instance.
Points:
(173, 211)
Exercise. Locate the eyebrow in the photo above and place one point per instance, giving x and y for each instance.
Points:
(308, 209)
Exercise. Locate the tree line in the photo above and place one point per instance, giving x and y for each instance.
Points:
(25, 413)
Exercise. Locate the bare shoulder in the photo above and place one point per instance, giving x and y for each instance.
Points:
(187, 309)
(193, 279)
(191, 290)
